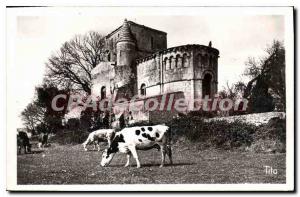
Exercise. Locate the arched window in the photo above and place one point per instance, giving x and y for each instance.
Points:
(206, 85)
(204, 60)
(108, 57)
(172, 62)
(185, 60)
(143, 89)
(178, 61)
(167, 63)
(103, 92)
(198, 60)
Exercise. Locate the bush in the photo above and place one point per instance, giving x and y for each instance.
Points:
(70, 137)
(273, 130)
(270, 137)
(220, 134)
(267, 146)
(140, 123)
(230, 135)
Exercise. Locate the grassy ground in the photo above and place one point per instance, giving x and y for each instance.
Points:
(69, 164)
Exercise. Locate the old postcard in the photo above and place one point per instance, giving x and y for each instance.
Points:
(150, 98)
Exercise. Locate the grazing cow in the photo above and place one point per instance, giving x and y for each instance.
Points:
(98, 136)
(23, 141)
(131, 139)
(43, 140)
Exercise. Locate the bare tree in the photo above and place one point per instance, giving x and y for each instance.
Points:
(71, 66)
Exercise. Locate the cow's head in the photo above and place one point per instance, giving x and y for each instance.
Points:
(107, 156)
(109, 153)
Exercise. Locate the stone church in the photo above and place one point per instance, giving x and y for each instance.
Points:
(139, 63)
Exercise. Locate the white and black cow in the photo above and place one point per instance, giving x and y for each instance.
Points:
(129, 140)
(98, 136)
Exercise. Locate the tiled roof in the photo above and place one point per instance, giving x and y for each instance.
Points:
(125, 33)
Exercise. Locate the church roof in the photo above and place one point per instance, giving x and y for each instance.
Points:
(130, 23)
(125, 33)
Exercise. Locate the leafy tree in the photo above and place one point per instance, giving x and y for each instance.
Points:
(266, 89)
(39, 116)
(70, 67)
(52, 118)
(33, 115)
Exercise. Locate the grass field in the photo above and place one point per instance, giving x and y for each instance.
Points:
(69, 164)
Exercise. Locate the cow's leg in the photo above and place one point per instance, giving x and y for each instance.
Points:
(84, 147)
(109, 142)
(169, 153)
(163, 155)
(128, 159)
(24, 146)
(98, 146)
(85, 144)
(40, 145)
(134, 154)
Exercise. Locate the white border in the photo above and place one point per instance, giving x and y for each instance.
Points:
(129, 11)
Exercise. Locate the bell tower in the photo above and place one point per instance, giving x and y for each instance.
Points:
(126, 46)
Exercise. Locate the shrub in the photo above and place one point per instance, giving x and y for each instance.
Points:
(274, 129)
(220, 134)
(141, 123)
(70, 137)
(270, 137)
(267, 146)
(230, 135)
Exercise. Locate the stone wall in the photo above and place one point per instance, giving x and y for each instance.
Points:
(179, 68)
(257, 119)
(101, 76)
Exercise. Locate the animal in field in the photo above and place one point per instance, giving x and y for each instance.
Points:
(43, 140)
(23, 142)
(131, 139)
(98, 136)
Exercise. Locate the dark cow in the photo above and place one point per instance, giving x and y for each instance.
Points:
(43, 140)
(23, 142)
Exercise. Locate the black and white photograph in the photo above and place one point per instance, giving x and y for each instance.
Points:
(150, 98)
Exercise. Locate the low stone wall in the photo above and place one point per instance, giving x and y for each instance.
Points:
(257, 119)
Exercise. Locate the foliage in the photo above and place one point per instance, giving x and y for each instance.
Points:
(235, 93)
(266, 89)
(52, 118)
(75, 136)
(219, 134)
(39, 116)
(270, 137)
(33, 115)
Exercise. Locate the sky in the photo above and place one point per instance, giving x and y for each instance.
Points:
(237, 37)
